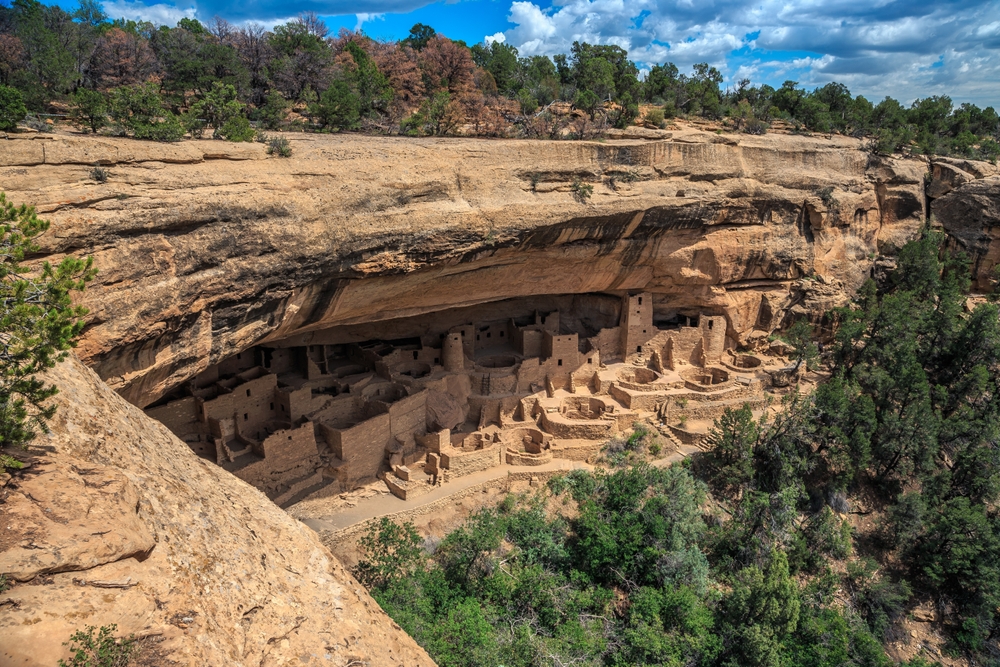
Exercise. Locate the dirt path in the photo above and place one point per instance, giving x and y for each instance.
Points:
(376, 506)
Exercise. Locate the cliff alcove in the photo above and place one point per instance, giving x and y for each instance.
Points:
(339, 294)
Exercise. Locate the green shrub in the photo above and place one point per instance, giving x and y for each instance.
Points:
(236, 129)
(582, 191)
(104, 650)
(272, 113)
(12, 109)
(989, 150)
(529, 104)
(99, 174)
(138, 111)
(436, 116)
(89, 109)
(279, 146)
(389, 552)
(219, 106)
(339, 107)
(822, 534)
(193, 125)
(656, 116)
(168, 129)
(880, 601)
(134, 106)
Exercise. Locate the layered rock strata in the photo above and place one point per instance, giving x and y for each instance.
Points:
(208, 248)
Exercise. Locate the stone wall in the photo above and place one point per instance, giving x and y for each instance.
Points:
(182, 416)
(713, 330)
(608, 342)
(341, 412)
(285, 448)
(492, 334)
(251, 404)
(362, 446)
(516, 458)
(635, 400)
(459, 463)
(408, 416)
(561, 352)
(578, 429)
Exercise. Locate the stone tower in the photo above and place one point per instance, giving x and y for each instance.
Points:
(453, 353)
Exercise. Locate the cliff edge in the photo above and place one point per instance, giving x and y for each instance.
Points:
(117, 521)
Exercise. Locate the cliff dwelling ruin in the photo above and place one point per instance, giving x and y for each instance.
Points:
(449, 394)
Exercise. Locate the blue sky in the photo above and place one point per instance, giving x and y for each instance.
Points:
(903, 48)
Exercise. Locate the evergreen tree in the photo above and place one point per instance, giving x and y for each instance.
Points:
(38, 324)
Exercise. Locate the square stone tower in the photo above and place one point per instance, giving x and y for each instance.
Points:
(636, 322)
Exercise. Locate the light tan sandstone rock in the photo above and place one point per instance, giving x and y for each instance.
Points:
(970, 214)
(135, 530)
(201, 258)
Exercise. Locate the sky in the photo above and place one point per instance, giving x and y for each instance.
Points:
(902, 48)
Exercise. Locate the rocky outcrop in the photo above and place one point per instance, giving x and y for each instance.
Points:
(966, 203)
(207, 248)
(117, 521)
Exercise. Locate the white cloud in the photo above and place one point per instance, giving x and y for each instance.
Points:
(160, 14)
(367, 18)
(896, 47)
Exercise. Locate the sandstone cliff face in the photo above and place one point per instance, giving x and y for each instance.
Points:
(966, 203)
(118, 522)
(206, 248)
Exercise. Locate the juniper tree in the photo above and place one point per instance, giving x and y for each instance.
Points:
(38, 324)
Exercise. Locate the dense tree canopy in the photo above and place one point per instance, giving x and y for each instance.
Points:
(48, 54)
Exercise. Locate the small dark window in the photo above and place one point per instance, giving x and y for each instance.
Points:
(245, 416)
(489, 335)
(710, 323)
(415, 353)
(437, 360)
(643, 331)
(463, 333)
(560, 362)
(272, 406)
(289, 437)
(590, 361)
(248, 392)
(640, 300)
(638, 312)
(282, 408)
(237, 356)
(501, 334)
(638, 349)
(477, 336)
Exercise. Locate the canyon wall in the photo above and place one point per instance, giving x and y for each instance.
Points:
(206, 248)
(965, 202)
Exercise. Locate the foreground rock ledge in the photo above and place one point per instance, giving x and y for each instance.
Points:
(119, 522)
(207, 248)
